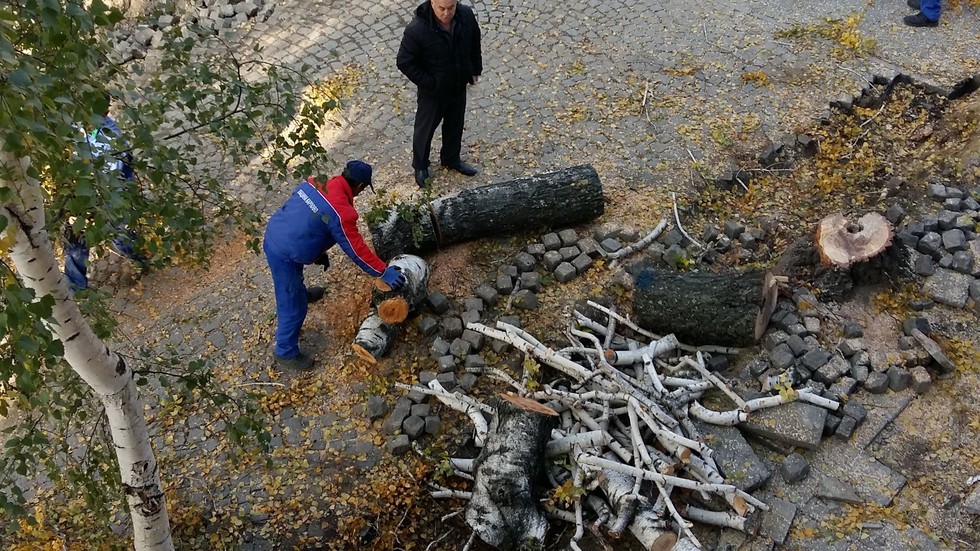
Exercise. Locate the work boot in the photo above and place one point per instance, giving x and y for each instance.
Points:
(302, 362)
(920, 20)
(463, 168)
(422, 178)
(314, 294)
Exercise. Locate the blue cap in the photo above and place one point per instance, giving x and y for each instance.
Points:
(360, 172)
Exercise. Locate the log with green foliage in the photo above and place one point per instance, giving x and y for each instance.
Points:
(190, 101)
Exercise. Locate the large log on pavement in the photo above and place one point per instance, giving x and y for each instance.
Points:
(379, 329)
(503, 510)
(729, 309)
(563, 198)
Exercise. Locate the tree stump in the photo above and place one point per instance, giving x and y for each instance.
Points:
(842, 255)
(503, 510)
(703, 308)
(563, 198)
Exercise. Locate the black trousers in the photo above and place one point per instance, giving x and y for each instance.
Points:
(432, 110)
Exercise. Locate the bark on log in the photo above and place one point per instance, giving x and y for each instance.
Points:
(377, 332)
(504, 508)
(396, 306)
(563, 198)
(701, 308)
(374, 338)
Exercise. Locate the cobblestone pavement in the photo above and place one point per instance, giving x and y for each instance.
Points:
(564, 84)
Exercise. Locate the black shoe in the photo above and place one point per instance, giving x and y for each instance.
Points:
(920, 20)
(914, 4)
(422, 178)
(314, 294)
(463, 168)
(302, 362)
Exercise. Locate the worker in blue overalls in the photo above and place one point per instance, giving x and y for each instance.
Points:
(316, 217)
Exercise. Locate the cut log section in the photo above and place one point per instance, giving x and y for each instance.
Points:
(563, 198)
(702, 308)
(841, 242)
(503, 510)
(374, 338)
(395, 306)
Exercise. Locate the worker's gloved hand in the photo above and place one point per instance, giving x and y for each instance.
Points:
(394, 277)
(323, 260)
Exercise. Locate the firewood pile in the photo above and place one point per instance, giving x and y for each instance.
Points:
(610, 444)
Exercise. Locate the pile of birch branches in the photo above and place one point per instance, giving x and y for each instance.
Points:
(617, 437)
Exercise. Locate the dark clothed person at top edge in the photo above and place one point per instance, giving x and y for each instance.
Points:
(440, 53)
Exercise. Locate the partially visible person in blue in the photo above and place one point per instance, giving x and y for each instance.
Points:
(316, 217)
(98, 144)
(928, 16)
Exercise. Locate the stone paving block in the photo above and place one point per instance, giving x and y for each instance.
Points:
(473, 304)
(568, 253)
(796, 424)
(948, 287)
(898, 378)
(551, 241)
(469, 316)
(399, 445)
(447, 380)
(447, 364)
(845, 428)
(439, 348)
(972, 503)
(831, 371)
(831, 487)
(425, 377)
(487, 294)
(421, 410)
(588, 246)
(778, 519)
(505, 284)
(432, 424)
(460, 348)
(428, 326)
(796, 345)
(413, 426)
(394, 421)
(568, 237)
(438, 302)
(581, 263)
(782, 356)
(452, 327)
(737, 461)
(475, 338)
(794, 468)
(509, 270)
(551, 260)
(525, 262)
(855, 410)
(474, 361)
(466, 381)
(870, 479)
(525, 299)
(376, 407)
(565, 272)
(610, 245)
(921, 380)
(536, 250)
(531, 281)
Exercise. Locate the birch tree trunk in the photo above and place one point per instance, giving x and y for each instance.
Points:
(101, 368)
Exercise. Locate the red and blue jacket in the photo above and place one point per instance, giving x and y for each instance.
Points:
(315, 218)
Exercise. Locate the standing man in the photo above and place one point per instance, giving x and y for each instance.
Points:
(98, 145)
(928, 16)
(315, 218)
(440, 53)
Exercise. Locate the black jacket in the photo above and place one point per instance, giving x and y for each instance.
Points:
(440, 64)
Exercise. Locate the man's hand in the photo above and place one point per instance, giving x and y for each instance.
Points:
(393, 277)
(323, 260)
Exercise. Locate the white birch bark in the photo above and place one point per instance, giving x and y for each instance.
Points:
(101, 368)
